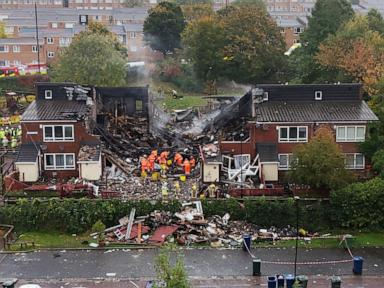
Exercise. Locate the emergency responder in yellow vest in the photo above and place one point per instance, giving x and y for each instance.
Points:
(5, 142)
(2, 133)
(19, 131)
(14, 143)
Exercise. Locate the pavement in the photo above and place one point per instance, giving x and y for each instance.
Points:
(206, 267)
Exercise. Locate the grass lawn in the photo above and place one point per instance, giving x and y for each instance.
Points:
(360, 240)
(183, 103)
(52, 239)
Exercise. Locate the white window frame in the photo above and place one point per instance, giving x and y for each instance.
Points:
(59, 139)
(48, 94)
(50, 40)
(318, 95)
(34, 49)
(132, 35)
(6, 49)
(345, 138)
(289, 161)
(293, 140)
(354, 167)
(16, 49)
(54, 166)
(50, 54)
(54, 25)
(265, 96)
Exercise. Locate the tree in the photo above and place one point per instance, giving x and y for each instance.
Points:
(176, 276)
(133, 3)
(91, 59)
(327, 17)
(357, 50)
(2, 30)
(320, 163)
(192, 2)
(163, 27)
(203, 41)
(375, 21)
(194, 12)
(254, 48)
(257, 3)
(378, 162)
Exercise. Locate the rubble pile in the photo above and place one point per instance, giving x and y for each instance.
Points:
(189, 226)
(88, 152)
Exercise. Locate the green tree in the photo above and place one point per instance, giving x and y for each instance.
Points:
(91, 59)
(163, 27)
(2, 30)
(378, 162)
(320, 163)
(375, 21)
(327, 17)
(257, 3)
(133, 3)
(196, 11)
(172, 276)
(203, 41)
(254, 48)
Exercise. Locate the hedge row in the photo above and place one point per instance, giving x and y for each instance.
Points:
(78, 215)
(359, 206)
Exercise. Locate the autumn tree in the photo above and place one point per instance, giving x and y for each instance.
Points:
(203, 41)
(196, 11)
(320, 163)
(2, 30)
(163, 27)
(254, 48)
(357, 50)
(327, 17)
(257, 3)
(91, 59)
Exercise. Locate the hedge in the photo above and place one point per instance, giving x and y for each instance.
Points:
(357, 206)
(78, 215)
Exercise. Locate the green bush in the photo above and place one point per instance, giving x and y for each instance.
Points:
(78, 215)
(359, 205)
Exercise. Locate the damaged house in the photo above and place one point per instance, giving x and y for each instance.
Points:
(283, 116)
(56, 135)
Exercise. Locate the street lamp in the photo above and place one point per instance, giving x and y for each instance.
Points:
(297, 198)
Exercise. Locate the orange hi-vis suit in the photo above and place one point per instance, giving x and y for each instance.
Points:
(152, 159)
(193, 162)
(163, 158)
(178, 159)
(187, 167)
(144, 165)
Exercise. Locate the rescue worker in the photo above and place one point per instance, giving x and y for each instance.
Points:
(14, 143)
(2, 133)
(192, 161)
(187, 167)
(164, 155)
(212, 189)
(178, 159)
(152, 160)
(5, 142)
(194, 190)
(144, 166)
(164, 190)
(176, 185)
(19, 132)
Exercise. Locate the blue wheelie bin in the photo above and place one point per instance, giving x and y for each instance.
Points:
(358, 265)
(247, 242)
(272, 282)
(290, 280)
(280, 281)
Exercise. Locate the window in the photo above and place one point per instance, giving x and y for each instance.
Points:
(293, 134)
(34, 49)
(350, 133)
(354, 161)
(65, 41)
(51, 54)
(132, 35)
(298, 30)
(58, 133)
(49, 40)
(265, 96)
(48, 94)
(16, 62)
(69, 25)
(3, 49)
(16, 49)
(54, 25)
(63, 161)
(285, 161)
(318, 95)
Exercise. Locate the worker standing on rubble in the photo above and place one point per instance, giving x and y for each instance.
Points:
(152, 159)
(187, 167)
(176, 185)
(144, 166)
(192, 161)
(178, 159)
(14, 143)
(164, 190)
(194, 190)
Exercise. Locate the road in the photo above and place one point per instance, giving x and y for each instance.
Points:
(201, 264)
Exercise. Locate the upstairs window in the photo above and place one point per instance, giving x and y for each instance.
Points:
(354, 161)
(293, 134)
(58, 133)
(350, 133)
